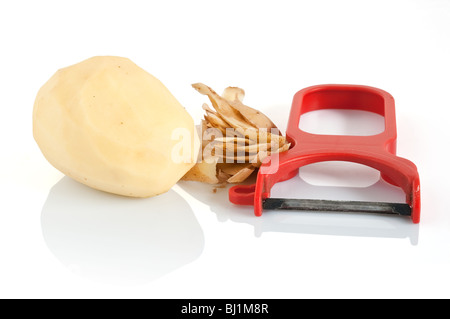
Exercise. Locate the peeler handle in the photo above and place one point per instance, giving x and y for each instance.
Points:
(377, 151)
(242, 194)
(348, 97)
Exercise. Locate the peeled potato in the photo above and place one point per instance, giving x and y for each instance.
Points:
(109, 124)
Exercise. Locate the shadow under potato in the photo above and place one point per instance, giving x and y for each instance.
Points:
(116, 239)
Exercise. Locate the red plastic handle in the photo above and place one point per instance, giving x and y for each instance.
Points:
(377, 151)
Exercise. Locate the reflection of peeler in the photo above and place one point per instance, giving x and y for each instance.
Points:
(377, 151)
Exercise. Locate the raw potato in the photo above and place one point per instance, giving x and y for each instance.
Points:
(108, 124)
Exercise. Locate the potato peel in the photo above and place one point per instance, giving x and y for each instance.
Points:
(233, 93)
(222, 106)
(242, 175)
(203, 172)
(248, 137)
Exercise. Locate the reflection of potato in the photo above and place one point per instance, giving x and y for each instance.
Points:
(119, 240)
(109, 124)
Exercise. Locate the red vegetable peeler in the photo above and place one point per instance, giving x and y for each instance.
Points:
(377, 151)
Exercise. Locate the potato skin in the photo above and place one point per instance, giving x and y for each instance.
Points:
(109, 124)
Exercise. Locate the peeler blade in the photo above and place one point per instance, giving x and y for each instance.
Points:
(317, 205)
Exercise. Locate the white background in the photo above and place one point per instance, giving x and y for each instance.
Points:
(64, 240)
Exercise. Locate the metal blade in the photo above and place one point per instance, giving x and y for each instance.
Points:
(317, 205)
